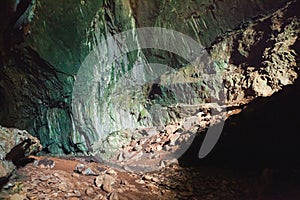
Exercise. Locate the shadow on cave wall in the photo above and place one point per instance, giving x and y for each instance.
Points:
(266, 134)
(3, 109)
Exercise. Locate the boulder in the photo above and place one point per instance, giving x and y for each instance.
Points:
(15, 147)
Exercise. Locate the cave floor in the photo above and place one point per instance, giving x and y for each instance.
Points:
(76, 178)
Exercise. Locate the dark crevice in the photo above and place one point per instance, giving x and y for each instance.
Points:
(155, 92)
(4, 181)
(3, 104)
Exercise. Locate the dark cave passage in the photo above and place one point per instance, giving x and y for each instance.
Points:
(3, 104)
(260, 146)
(266, 134)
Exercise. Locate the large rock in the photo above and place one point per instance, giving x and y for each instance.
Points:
(15, 146)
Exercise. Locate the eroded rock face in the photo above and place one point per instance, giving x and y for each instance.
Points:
(36, 99)
(249, 60)
(37, 77)
(15, 146)
(261, 58)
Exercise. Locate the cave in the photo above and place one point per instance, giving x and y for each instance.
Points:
(131, 99)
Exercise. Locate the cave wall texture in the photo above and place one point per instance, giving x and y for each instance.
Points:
(38, 71)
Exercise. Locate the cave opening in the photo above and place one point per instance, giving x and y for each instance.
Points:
(128, 134)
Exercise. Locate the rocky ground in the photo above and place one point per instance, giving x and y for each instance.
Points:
(70, 178)
(152, 148)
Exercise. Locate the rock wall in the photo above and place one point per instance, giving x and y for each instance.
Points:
(38, 75)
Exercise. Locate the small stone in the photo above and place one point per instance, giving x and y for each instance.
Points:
(173, 161)
(171, 128)
(79, 167)
(99, 181)
(147, 177)
(158, 148)
(137, 148)
(89, 191)
(107, 187)
(131, 186)
(120, 190)
(111, 172)
(47, 191)
(17, 197)
(152, 155)
(154, 179)
(174, 138)
(200, 114)
(148, 149)
(8, 185)
(77, 193)
(189, 122)
(56, 174)
(105, 181)
(76, 175)
(114, 196)
(46, 163)
(124, 182)
(55, 194)
(167, 193)
(162, 164)
(167, 148)
(44, 178)
(41, 196)
(69, 194)
(89, 172)
(31, 197)
(99, 197)
(151, 186)
(140, 181)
